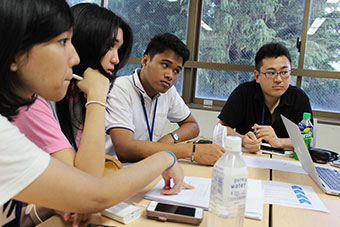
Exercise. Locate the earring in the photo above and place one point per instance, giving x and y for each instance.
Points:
(14, 67)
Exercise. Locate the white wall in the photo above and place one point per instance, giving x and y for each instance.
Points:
(206, 121)
(328, 136)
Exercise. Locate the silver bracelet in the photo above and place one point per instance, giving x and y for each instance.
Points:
(32, 212)
(95, 102)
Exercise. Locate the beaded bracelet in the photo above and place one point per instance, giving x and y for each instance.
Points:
(193, 152)
(95, 102)
(175, 159)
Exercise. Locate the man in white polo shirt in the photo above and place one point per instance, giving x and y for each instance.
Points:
(140, 104)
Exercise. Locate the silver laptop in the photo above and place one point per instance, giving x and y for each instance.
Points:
(328, 179)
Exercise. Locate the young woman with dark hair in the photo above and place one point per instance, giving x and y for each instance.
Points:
(36, 58)
(103, 41)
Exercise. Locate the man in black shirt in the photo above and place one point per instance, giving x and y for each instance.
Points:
(253, 109)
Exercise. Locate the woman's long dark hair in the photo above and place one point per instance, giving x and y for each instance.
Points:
(94, 33)
(23, 24)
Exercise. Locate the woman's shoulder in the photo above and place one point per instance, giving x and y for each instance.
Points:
(38, 110)
(40, 103)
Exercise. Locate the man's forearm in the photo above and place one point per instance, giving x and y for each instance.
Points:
(136, 150)
(188, 131)
(185, 132)
(286, 144)
(232, 132)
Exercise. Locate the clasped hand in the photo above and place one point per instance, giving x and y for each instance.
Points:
(252, 140)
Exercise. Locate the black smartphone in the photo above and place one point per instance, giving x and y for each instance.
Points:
(272, 149)
(203, 142)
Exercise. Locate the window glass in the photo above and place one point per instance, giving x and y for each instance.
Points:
(322, 53)
(128, 69)
(74, 2)
(239, 28)
(179, 83)
(323, 93)
(293, 80)
(149, 18)
(323, 36)
(218, 84)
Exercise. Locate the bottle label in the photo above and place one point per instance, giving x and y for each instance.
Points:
(228, 191)
(305, 129)
(306, 132)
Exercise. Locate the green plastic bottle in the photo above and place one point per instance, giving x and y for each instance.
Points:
(306, 129)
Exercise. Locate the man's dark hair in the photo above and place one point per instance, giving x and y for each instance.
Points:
(166, 41)
(270, 50)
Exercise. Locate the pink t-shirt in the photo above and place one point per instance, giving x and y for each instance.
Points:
(39, 125)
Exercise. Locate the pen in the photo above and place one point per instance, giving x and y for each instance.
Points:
(255, 131)
(76, 77)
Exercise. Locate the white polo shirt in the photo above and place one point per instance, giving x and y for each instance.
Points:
(125, 109)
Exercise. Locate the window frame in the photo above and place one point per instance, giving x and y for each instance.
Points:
(190, 68)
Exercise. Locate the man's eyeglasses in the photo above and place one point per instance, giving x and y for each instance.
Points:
(272, 75)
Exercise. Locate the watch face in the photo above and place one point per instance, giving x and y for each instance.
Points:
(175, 136)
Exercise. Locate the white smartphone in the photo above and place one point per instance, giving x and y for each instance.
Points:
(336, 163)
(175, 213)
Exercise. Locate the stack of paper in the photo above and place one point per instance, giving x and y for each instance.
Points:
(292, 195)
(275, 164)
(199, 197)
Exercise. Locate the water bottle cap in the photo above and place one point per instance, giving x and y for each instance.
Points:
(306, 115)
(233, 143)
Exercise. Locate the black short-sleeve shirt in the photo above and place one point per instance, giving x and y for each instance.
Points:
(244, 108)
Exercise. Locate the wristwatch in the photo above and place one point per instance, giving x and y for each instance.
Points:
(175, 136)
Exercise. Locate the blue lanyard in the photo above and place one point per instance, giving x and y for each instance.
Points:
(263, 109)
(146, 116)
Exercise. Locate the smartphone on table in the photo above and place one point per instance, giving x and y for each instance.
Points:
(268, 149)
(170, 212)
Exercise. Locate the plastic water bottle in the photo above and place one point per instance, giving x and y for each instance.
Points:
(228, 187)
(220, 134)
(306, 129)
